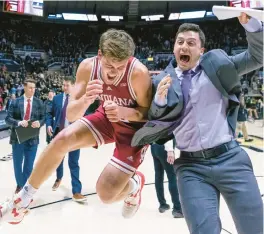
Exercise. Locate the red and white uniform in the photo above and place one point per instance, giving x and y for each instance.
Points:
(125, 157)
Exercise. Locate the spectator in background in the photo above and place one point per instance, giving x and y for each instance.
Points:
(56, 121)
(21, 111)
(164, 157)
(251, 104)
(10, 101)
(48, 108)
(241, 121)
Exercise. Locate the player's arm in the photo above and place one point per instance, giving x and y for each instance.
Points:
(84, 92)
(142, 86)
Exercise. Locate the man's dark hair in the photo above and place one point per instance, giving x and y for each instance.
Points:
(69, 79)
(194, 28)
(29, 80)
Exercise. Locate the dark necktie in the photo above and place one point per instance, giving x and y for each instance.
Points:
(186, 85)
(63, 112)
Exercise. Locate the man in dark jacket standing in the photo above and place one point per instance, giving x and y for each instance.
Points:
(22, 110)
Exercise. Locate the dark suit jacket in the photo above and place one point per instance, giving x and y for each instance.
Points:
(8, 103)
(223, 71)
(53, 114)
(16, 113)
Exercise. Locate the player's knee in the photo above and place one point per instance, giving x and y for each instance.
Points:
(106, 194)
(65, 138)
(106, 197)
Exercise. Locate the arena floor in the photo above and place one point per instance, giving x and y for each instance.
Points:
(55, 212)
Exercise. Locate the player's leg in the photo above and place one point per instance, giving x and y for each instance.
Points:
(113, 184)
(120, 180)
(76, 136)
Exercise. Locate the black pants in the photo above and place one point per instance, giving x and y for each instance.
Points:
(160, 165)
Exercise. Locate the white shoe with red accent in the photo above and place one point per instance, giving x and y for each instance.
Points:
(13, 215)
(133, 201)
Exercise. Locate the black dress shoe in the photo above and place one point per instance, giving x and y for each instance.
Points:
(163, 208)
(177, 214)
(248, 140)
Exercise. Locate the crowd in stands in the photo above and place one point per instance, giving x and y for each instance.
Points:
(68, 44)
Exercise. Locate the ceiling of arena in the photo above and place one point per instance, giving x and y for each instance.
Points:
(122, 7)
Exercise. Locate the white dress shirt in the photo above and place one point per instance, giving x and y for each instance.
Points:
(169, 145)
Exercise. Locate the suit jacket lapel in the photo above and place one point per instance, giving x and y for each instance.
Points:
(212, 74)
(21, 107)
(61, 102)
(34, 107)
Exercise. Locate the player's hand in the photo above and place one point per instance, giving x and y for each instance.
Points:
(244, 18)
(35, 124)
(162, 90)
(23, 123)
(111, 111)
(50, 131)
(170, 157)
(93, 90)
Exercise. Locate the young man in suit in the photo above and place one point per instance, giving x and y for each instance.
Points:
(55, 122)
(22, 110)
(211, 161)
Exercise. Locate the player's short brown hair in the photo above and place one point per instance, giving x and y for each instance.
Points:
(117, 44)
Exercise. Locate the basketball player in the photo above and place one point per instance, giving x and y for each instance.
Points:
(123, 85)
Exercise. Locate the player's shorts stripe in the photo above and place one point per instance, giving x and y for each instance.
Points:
(122, 164)
(121, 168)
(97, 135)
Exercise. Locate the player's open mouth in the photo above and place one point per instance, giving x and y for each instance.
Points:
(184, 58)
(111, 77)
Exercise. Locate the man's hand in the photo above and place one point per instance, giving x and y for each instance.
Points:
(23, 123)
(162, 90)
(244, 18)
(35, 124)
(111, 111)
(50, 131)
(93, 90)
(170, 157)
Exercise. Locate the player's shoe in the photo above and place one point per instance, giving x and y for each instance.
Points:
(13, 215)
(133, 201)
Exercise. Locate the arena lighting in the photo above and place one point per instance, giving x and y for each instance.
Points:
(209, 14)
(174, 16)
(92, 17)
(57, 16)
(112, 18)
(79, 17)
(71, 16)
(152, 17)
(192, 15)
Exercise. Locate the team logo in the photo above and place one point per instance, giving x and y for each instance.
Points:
(123, 84)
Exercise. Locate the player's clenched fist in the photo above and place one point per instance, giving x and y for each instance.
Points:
(93, 89)
(111, 111)
(162, 89)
